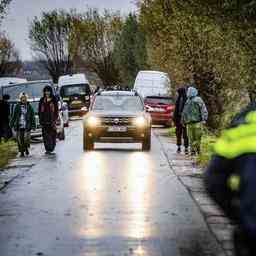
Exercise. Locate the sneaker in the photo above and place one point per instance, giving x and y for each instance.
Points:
(22, 154)
(186, 151)
(27, 152)
(178, 150)
(192, 153)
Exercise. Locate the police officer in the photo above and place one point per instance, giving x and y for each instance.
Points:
(231, 178)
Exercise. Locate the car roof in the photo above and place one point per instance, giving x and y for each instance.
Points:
(30, 82)
(72, 79)
(117, 93)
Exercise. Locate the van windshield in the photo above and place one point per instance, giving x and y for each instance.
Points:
(34, 90)
(76, 89)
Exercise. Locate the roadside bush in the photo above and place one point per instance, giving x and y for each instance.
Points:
(8, 151)
(207, 142)
(172, 132)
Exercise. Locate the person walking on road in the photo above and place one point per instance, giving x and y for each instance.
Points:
(181, 130)
(5, 130)
(48, 115)
(23, 121)
(230, 178)
(194, 115)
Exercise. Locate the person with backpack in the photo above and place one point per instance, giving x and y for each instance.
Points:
(194, 115)
(181, 130)
(48, 114)
(23, 121)
(230, 178)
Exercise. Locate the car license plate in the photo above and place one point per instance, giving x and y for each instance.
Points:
(158, 110)
(117, 129)
(76, 102)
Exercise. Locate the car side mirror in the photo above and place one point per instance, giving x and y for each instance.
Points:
(148, 108)
(84, 109)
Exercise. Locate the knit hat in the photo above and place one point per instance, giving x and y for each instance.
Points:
(23, 94)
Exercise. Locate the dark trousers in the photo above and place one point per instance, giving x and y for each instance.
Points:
(5, 131)
(181, 132)
(49, 138)
(23, 139)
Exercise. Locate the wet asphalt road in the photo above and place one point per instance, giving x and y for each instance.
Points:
(116, 200)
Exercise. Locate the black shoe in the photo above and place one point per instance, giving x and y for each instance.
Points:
(27, 152)
(22, 154)
(178, 150)
(193, 153)
(186, 151)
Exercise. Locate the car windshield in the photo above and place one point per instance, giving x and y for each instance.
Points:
(159, 100)
(34, 90)
(118, 103)
(79, 89)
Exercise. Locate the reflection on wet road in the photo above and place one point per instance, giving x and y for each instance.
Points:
(115, 200)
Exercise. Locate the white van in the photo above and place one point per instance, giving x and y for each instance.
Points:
(75, 91)
(152, 83)
(4, 81)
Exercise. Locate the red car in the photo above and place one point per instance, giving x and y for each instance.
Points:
(161, 109)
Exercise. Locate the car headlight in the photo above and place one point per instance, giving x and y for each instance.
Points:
(85, 109)
(140, 121)
(92, 121)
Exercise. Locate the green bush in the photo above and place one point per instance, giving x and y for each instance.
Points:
(207, 142)
(172, 132)
(8, 150)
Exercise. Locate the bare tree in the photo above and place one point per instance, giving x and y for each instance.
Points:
(50, 39)
(10, 63)
(94, 36)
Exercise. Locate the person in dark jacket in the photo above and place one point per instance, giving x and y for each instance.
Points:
(230, 178)
(48, 115)
(181, 130)
(23, 121)
(5, 131)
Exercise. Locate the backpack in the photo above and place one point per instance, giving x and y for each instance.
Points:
(192, 112)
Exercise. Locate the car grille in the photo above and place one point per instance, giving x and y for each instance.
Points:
(117, 120)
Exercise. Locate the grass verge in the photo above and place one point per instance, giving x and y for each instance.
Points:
(172, 132)
(205, 155)
(8, 150)
(207, 142)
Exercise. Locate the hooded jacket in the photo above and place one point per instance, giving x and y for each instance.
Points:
(30, 117)
(179, 105)
(48, 110)
(194, 110)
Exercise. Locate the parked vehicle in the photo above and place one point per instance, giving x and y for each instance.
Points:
(75, 91)
(4, 81)
(34, 90)
(152, 83)
(62, 105)
(117, 117)
(161, 109)
(65, 113)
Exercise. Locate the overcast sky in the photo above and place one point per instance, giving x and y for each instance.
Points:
(21, 12)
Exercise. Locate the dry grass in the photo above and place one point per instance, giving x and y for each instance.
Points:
(8, 150)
